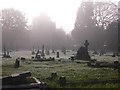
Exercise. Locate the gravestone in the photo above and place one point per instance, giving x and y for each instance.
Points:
(42, 53)
(82, 52)
(57, 54)
(17, 63)
(38, 56)
(62, 80)
(53, 75)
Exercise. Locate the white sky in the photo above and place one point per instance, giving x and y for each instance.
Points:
(63, 12)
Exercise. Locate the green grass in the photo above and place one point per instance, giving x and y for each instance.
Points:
(73, 71)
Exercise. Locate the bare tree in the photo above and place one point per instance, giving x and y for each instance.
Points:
(105, 13)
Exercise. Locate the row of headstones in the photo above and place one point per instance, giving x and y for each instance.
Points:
(47, 51)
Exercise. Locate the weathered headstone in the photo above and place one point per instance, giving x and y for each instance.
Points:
(82, 53)
(17, 63)
(57, 54)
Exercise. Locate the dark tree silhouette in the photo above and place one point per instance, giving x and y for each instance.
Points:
(112, 36)
(90, 22)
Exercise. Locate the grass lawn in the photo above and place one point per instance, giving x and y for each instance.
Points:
(74, 72)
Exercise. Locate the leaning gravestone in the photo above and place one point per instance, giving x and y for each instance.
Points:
(82, 52)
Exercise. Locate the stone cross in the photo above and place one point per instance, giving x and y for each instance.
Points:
(86, 44)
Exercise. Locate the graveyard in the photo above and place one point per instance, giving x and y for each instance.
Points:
(47, 44)
(63, 71)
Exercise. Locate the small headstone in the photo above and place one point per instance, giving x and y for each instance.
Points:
(62, 80)
(53, 75)
(57, 54)
(17, 63)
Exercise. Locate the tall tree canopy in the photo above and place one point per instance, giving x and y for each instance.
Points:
(14, 29)
(44, 31)
(91, 20)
